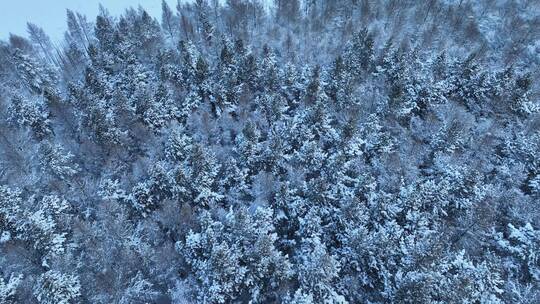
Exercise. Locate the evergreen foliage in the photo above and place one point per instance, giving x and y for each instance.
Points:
(350, 151)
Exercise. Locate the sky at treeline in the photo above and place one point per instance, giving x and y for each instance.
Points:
(51, 15)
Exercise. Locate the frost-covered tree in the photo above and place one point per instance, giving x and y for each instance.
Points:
(32, 113)
(346, 151)
(8, 289)
(57, 161)
(230, 257)
(56, 287)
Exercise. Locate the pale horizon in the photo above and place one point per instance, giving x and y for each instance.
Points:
(51, 15)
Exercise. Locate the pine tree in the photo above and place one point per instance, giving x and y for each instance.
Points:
(10, 212)
(79, 30)
(104, 32)
(41, 42)
(8, 290)
(31, 113)
(316, 271)
(359, 54)
(248, 147)
(205, 28)
(37, 77)
(57, 161)
(470, 84)
(521, 243)
(228, 88)
(230, 257)
(149, 195)
(169, 21)
(56, 287)
(162, 109)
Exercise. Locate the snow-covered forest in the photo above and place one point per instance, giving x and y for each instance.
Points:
(345, 151)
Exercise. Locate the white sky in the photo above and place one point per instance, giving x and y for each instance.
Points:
(51, 14)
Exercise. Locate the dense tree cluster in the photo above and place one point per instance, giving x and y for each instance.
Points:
(348, 151)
